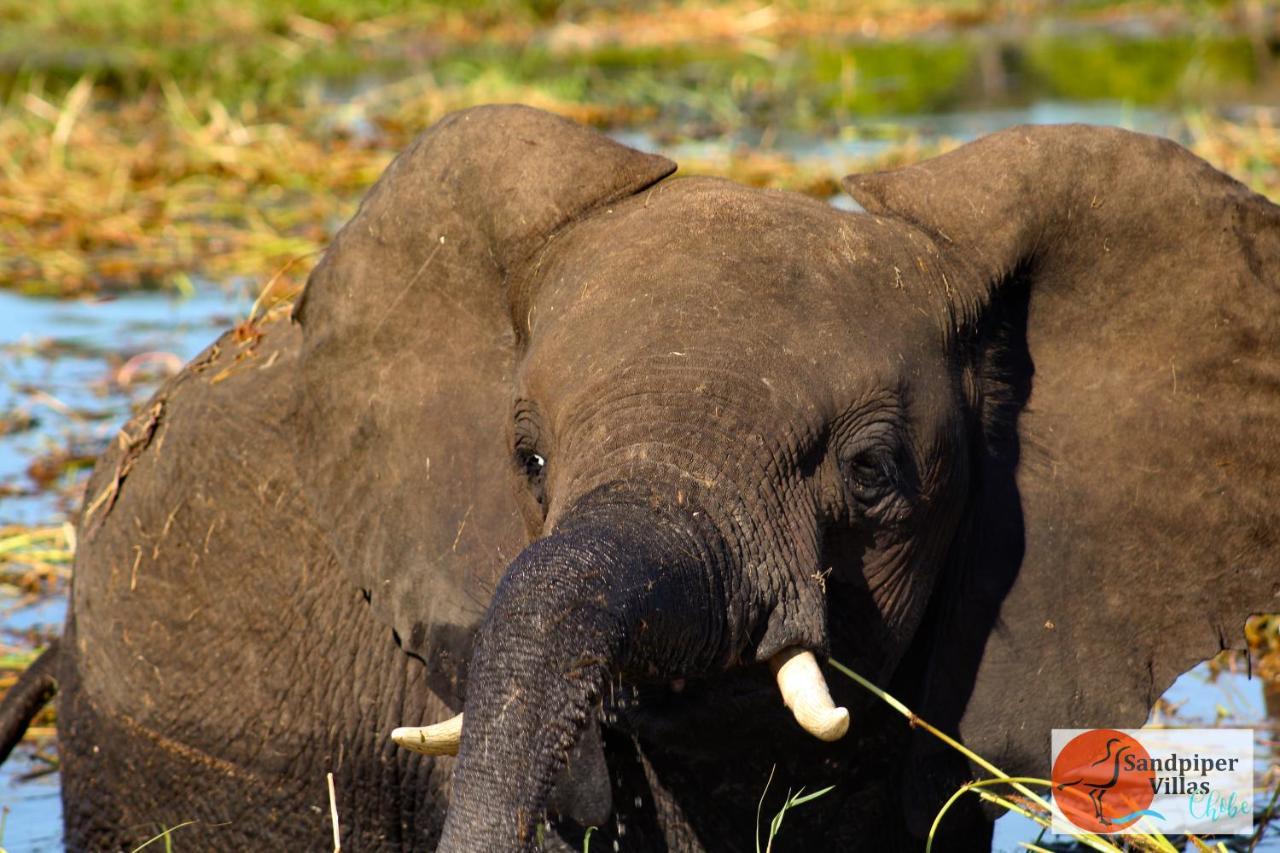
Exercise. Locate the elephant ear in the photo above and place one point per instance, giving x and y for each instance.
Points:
(1119, 312)
(407, 360)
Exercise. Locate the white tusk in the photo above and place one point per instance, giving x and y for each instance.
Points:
(804, 691)
(440, 739)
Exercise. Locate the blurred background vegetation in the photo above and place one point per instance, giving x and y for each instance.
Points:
(149, 144)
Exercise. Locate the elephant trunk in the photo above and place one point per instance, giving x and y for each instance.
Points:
(619, 587)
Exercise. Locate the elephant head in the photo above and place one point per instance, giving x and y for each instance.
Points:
(1007, 438)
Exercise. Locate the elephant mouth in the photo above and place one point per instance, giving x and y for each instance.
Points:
(704, 716)
(690, 714)
(713, 715)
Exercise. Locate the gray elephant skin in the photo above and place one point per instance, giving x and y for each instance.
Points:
(577, 449)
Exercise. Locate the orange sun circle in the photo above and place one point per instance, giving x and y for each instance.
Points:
(1096, 781)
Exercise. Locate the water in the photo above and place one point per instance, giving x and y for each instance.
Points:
(71, 351)
(59, 362)
(59, 359)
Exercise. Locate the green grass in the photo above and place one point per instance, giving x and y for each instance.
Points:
(851, 56)
(793, 800)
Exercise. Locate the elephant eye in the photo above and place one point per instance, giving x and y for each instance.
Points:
(870, 476)
(533, 465)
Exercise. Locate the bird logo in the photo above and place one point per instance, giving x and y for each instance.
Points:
(1101, 782)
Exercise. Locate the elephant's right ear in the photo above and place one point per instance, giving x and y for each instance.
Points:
(407, 361)
(1117, 301)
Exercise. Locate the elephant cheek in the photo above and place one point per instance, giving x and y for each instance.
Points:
(882, 602)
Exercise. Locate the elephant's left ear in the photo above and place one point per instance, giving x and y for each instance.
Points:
(1117, 302)
(407, 360)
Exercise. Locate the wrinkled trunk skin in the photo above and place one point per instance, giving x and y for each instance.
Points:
(618, 587)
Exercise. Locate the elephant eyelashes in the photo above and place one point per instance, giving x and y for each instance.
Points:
(533, 466)
(870, 476)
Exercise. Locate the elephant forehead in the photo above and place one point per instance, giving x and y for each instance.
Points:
(713, 272)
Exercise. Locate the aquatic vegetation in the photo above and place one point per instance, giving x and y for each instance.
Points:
(96, 196)
(35, 560)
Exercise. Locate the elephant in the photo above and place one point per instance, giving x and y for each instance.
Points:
(609, 463)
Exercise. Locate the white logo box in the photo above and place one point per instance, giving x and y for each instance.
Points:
(1204, 782)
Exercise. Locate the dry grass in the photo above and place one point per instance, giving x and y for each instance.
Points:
(1249, 150)
(98, 196)
(35, 561)
(147, 194)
